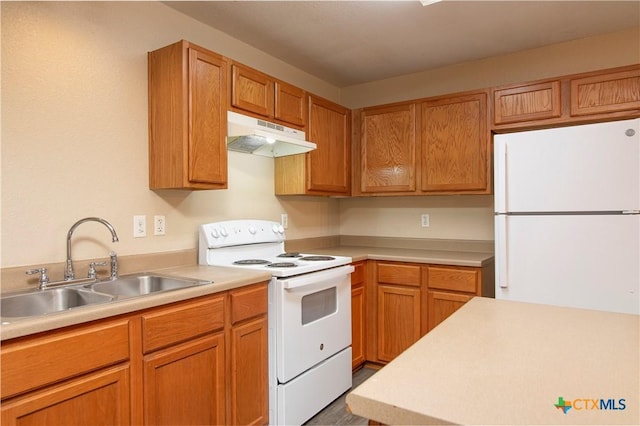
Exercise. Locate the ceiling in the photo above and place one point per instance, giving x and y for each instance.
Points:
(352, 42)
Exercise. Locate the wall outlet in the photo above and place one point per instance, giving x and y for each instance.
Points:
(139, 226)
(424, 220)
(159, 225)
(284, 220)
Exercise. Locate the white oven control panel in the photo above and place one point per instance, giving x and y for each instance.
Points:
(240, 232)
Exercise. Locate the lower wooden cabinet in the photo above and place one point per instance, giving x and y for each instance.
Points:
(249, 390)
(185, 384)
(358, 315)
(200, 361)
(441, 305)
(406, 300)
(398, 320)
(99, 398)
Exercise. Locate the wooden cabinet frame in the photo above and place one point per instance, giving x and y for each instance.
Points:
(198, 361)
(604, 95)
(404, 301)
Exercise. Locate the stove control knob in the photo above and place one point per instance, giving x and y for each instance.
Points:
(252, 230)
(215, 233)
(274, 228)
(223, 232)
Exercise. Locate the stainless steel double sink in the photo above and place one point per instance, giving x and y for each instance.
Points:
(35, 303)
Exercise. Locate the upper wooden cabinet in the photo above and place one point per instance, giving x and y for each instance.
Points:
(588, 97)
(326, 169)
(256, 92)
(606, 93)
(428, 146)
(527, 102)
(187, 118)
(454, 138)
(387, 149)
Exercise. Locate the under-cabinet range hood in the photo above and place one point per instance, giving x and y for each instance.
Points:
(260, 137)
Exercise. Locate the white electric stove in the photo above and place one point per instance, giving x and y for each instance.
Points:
(309, 314)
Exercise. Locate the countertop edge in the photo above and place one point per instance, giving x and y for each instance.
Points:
(426, 256)
(237, 278)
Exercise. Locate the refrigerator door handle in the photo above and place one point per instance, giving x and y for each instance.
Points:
(502, 258)
(500, 164)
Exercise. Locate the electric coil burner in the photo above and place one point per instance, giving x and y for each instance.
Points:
(292, 254)
(309, 314)
(251, 262)
(282, 265)
(317, 258)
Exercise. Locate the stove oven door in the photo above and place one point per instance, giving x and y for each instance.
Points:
(313, 319)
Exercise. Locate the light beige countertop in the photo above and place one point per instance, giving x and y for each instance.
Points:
(475, 253)
(437, 257)
(501, 362)
(223, 279)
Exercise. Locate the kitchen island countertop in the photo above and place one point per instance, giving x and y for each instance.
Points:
(503, 362)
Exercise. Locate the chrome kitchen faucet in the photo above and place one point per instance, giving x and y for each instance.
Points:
(69, 274)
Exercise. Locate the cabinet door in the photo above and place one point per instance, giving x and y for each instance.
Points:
(208, 119)
(252, 91)
(358, 312)
(185, 384)
(606, 93)
(100, 398)
(442, 304)
(388, 149)
(249, 398)
(290, 104)
(187, 118)
(455, 144)
(398, 320)
(327, 166)
(530, 102)
(357, 325)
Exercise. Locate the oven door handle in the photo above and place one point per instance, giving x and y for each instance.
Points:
(316, 277)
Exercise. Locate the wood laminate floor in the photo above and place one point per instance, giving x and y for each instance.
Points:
(336, 413)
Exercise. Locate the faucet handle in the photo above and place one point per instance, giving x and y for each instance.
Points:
(44, 278)
(114, 265)
(92, 269)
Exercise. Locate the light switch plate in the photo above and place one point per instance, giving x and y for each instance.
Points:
(139, 226)
(424, 220)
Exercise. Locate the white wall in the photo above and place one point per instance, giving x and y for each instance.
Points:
(74, 135)
(468, 217)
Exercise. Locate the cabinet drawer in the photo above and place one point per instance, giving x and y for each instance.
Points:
(30, 363)
(453, 279)
(399, 274)
(248, 302)
(358, 275)
(181, 322)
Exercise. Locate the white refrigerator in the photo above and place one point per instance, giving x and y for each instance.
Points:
(567, 216)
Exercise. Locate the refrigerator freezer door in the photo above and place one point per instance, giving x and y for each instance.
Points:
(594, 167)
(585, 261)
